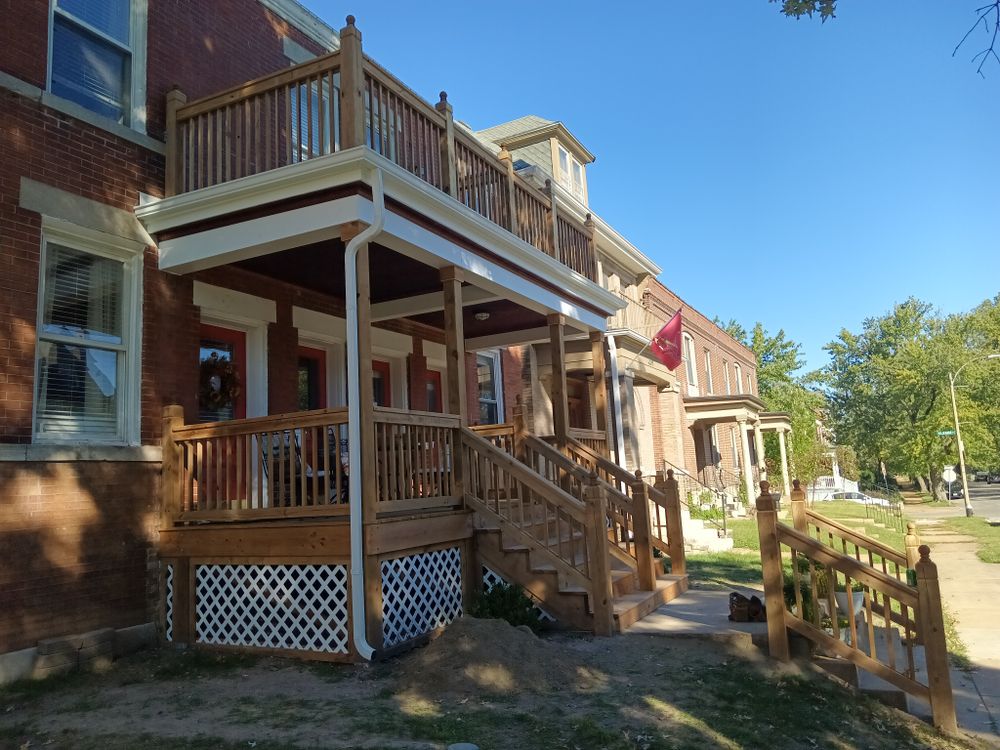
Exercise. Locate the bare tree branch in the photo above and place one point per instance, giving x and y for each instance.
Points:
(985, 14)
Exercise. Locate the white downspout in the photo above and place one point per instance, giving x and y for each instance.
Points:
(364, 648)
(616, 397)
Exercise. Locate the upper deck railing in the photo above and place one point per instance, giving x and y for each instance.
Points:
(343, 100)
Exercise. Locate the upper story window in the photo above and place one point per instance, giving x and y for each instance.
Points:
(490, 392)
(86, 384)
(709, 386)
(739, 377)
(571, 174)
(98, 57)
(725, 371)
(690, 364)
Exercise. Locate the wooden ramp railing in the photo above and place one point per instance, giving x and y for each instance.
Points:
(566, 529)
(852, 609)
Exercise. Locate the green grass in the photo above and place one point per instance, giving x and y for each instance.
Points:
(987, 537)
(745, 535)
(723, 570)
(853, 515)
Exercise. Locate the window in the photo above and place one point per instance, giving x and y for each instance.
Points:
(709, 387)
(222, 374)
(488, 380)
(725, 370)
(381, 383)
(432, 384)
(690, 365)
(86, 379)
(739, 377)
(98, 57)
(312, 378)
(571, 174)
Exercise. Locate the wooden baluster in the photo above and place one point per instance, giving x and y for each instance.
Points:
(931, 622)
(770, 552)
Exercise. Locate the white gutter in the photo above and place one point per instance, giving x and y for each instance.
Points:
(354, 469)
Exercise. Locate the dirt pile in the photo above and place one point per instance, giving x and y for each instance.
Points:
(489, 656)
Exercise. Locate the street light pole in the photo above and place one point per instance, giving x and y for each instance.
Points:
(958, 431)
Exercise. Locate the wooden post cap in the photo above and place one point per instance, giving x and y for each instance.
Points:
(796, 484)
(592, 478)
(911, 528)
(351, 20)
(638, 474)
(670, 473)
(765, 487)
(765, 501)
(925, 553)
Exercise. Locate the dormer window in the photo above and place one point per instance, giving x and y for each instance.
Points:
(571, 174)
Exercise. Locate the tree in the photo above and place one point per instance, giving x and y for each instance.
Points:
(987, 16)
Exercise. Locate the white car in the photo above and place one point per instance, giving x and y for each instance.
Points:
(862, 499)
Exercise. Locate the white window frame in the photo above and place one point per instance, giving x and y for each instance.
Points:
(738, 370)
(690, 357)
(136, 50)
(130, 254)
(709, 385)
(494, 354)
(725, 370)
(566, 176)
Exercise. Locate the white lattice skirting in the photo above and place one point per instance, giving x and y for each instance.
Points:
(295, 607)
(420, 593)
(168, 604)
(491, 578)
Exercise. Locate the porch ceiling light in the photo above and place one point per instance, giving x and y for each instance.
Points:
(481, 316)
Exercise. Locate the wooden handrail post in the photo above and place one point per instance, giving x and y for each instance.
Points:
(174, 168)
(601, 595)
(591, 228)
(643, 535)
(599, 364)
(352, 85)
(520, 428)
(931, 618)
(454, 341)
(675, 525)
(173, 417)
(770, 557)
(449, 167)
(553, 219)
(798, 507)
(508, 163)
(912, 541)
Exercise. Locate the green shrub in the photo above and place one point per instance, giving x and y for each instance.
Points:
(506, 601)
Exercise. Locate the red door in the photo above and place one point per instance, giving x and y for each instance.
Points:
(381, 383)
(312, 378)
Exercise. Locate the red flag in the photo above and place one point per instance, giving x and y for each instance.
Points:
(666, 344)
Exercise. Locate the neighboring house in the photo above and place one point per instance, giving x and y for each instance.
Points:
(266, 314)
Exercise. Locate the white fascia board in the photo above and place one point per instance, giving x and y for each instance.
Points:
(427, 303)
(314, 27)
(248, 306)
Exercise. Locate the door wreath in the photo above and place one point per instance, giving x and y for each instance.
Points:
(219, 384)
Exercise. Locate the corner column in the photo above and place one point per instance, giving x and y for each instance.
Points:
(784, 462)
(454, 341)
(560, 401)
(758, 439)
(600, 384)
(747, 469)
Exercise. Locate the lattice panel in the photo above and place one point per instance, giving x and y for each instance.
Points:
(491, 578)
(296, 607)
(419, 593)
(168, 604)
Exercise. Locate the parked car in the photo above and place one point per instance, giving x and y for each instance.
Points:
(981, 476)
(993, 478)
(957, 493)
(861, 498)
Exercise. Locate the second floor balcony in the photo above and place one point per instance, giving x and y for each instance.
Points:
(345, 100)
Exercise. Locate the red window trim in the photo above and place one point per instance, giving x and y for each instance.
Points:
(319, 357)
(382, 367)
(238, 339)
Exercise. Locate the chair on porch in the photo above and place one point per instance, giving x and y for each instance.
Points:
(288, 451)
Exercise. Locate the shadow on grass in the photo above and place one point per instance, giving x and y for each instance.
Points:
(723, 569)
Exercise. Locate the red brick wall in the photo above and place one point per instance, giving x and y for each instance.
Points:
(75, 543)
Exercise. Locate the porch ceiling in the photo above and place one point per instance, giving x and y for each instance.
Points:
(776, 421)
(709, 410)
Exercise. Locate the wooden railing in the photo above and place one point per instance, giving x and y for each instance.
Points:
(851, 542)
(568, 532)
(266, 467)
(596, 440)
(345, 100)
(855, 611)
(415, 460)
(501, 435)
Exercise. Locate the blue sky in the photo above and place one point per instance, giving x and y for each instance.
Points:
(801, 174)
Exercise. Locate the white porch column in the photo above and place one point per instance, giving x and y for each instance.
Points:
(784, 464)
(758, 439)
(747, 469)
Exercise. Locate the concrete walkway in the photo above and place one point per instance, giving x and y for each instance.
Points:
(971, 592)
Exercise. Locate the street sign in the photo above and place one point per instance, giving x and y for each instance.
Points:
(945, 433)
(949, 475)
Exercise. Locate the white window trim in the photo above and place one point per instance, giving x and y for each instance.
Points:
(130, 253)
(494, 354)
(729, 385)
(689, 355)
(333, 348)
(256, 377)
(738, 371)
(709, 385)
(137, 76)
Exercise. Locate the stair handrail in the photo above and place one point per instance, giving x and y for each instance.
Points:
(581, 557)
(894, 614)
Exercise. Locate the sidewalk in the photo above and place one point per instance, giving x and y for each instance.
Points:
(971, 592)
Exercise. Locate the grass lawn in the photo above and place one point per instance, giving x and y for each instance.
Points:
(987, 537)
(496, 686)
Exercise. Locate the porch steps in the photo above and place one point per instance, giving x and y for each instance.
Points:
(700, 536)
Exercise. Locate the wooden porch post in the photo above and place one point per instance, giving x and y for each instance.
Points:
(520, 428)
(770, 556)
(643, 535)
(173, 179)
(560, 400)
(931, 619)
(504, 157)
(798, 496)
(173, 417)
(784, 462)
(553, 219)
(602, 597)
(369, 463)
(352, 83)
(600, 385)
(912, 542)
(675, 525)
(747, 469)
(758, 441)
(454, 341)
(448, 167)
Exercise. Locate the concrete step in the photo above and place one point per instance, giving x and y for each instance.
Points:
(632, 607)
(704, 614)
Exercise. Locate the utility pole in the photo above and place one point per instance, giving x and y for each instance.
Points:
(958, 430)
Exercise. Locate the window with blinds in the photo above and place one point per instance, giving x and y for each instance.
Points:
(92, 55)
(81, 346)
